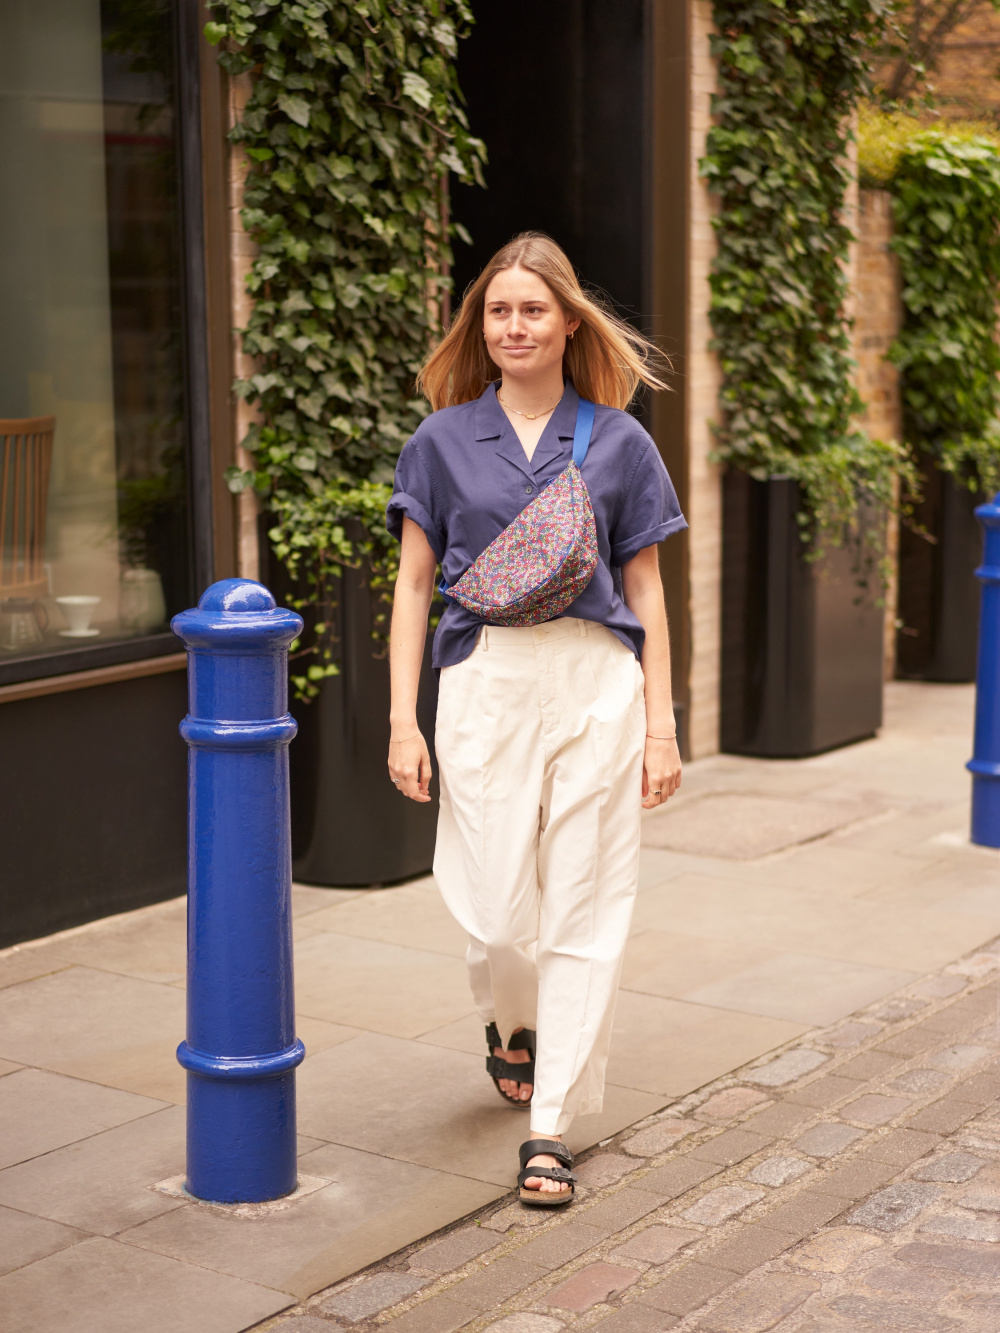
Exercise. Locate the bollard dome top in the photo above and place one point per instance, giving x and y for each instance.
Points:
(237, 595)
(237, 615)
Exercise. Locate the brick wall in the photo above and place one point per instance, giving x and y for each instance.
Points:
(877, 311)
(241, 252)
(705, 488)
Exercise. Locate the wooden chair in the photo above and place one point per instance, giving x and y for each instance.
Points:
(25, 464)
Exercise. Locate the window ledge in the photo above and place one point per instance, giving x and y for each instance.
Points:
(80, 680)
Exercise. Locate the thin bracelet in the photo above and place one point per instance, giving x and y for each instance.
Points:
(651, 737)
(405, 739)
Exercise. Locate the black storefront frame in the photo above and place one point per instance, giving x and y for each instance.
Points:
(196, 385)
(93, 787)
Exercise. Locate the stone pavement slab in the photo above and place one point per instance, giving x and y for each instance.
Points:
(111, 1173)
(41, 1111)
(24, 1238)
(99, 1286)
(98, 1026)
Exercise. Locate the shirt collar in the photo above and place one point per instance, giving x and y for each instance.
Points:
(491, 421)
(492, 424)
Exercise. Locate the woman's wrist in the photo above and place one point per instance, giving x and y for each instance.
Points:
(661, 728)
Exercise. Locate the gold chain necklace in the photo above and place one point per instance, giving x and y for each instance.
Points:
(528, 416)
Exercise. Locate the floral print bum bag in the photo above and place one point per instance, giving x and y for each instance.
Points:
(542, 561)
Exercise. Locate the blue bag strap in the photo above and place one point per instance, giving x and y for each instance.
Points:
(584, 430)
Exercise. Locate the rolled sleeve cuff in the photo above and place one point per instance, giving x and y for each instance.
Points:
(405, 506)
(623, 552)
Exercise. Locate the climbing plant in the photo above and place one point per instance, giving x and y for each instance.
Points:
(790, 75)
(352, 126)
(946, 205)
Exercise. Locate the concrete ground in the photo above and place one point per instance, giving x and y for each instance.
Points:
(777, 898)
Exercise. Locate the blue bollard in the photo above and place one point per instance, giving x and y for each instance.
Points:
(985, 763)
(241, 1050)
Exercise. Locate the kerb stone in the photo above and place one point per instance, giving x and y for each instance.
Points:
(591, 1285)
(827, 1140)
(787, 1068)
(777, 1171)
(953, 1167)
(721, 1204)
(372, 1296)
(892, 1208)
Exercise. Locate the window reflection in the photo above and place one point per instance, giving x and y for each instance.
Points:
(93, 523)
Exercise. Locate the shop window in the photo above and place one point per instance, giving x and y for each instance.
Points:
(94, 513)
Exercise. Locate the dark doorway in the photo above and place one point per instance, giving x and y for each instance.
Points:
(557, 89)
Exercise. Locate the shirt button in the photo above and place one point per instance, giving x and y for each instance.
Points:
(528, 490)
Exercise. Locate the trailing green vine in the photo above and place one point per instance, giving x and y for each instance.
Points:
(353, 124)
(790, 74)
(946, 204)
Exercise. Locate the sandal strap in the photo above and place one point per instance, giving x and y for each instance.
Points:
(519, 1041)
(522, 1073)
(549, 1147)
(547, 1173)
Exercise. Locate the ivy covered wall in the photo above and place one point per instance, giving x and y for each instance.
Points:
(354, 123)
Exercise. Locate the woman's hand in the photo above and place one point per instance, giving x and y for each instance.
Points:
(410, 767)
(409, 760)
(661, 772)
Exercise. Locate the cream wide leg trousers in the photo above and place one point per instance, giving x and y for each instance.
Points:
(540, 736)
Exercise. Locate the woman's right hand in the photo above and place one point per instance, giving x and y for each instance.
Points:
(410, 766)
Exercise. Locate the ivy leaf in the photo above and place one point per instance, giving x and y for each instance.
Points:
(214, 33)
(416, 87)
(295, 108)
(237, 480)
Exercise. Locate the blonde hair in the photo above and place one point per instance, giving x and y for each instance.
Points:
(607, 359)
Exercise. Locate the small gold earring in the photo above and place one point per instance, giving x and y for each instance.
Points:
(571, 332)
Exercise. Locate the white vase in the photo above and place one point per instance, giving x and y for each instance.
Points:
(141, 606)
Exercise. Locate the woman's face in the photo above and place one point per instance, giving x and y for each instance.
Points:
(525, 327)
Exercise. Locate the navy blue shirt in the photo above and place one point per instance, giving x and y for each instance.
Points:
(464, 476)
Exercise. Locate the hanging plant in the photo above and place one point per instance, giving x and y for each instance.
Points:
(790, 76)
(354, 123)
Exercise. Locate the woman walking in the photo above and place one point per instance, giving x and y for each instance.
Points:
(555, 724)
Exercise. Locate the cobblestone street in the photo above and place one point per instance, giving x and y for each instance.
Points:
(850, 1182)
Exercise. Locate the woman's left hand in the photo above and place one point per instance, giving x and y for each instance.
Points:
(661, 772)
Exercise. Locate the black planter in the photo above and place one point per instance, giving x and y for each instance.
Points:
(802, 643)
(938, 603)
(349, 824)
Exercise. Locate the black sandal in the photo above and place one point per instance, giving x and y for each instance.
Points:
(548, 1198)
(498, 1068)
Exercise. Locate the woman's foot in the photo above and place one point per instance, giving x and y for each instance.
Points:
(546, 1179)
(543, 1183)
(521, 1092)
